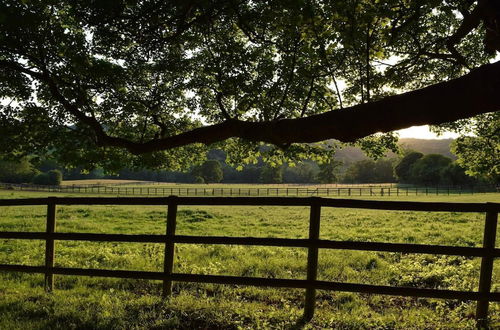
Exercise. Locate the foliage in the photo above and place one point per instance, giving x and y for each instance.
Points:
(51, 178)
(303, 172)
(402, 169)
(210, 171)
(47, 164)
(79, 76)
(455, 175)
(370, 171)
(55, 177)
(329, 171)
(428, 169)
(479, 155)
(17, 171)
(198, 179)
(270, 174)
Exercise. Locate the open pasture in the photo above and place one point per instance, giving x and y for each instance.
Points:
(82, 302)
(145, 188)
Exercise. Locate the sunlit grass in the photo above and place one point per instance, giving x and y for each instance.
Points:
(99, 303)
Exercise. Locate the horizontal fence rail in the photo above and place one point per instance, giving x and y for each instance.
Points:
(339, 191)
(313, 243)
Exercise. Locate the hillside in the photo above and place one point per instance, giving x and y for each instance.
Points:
(425, 146)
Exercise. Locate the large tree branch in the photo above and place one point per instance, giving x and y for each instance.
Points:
(486, 11)
(475, 93)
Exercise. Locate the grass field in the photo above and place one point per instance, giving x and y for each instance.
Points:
(102, 182)
(152, 184)
(98, 303)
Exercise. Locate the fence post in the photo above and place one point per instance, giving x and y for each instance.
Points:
(312, 258)
(168, 264)
(490, 231)
(49, 244)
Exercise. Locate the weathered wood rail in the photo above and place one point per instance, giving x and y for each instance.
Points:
(488, 252)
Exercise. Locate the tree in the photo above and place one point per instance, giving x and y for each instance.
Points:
(454, 174)
(50, 178)
(269, 174)
(134, 83)
(402, 169)
(329, 171)
(384, 171)
(427, 170)
(21, 171)
(304, 172)
(54, 177)
(369, 171)
(210, 171)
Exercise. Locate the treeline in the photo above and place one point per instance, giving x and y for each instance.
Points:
(23, 171)
(412, 168)
(432, 169)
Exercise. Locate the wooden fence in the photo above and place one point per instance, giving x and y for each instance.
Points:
(488, 252)
(356, 190)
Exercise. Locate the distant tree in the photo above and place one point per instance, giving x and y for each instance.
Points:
(216, 154)
(41, 179)
(329, 171)
(384, 171)
(270, 174)
(50, 178)
(427, 170)
(79, 173)
(360, 171)
(211, 171)
(199, 179)
(303, 172)
(54, 177)
(21, 171)
(402, 169)
(47, 164)
(454, 174)
(248, 174)
(370, 171)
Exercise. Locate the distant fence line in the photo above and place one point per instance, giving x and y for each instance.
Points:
(357, 190)
(488, 252)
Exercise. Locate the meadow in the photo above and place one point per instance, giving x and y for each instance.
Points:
(100, 303)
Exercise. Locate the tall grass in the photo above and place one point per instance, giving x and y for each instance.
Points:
(99, 303)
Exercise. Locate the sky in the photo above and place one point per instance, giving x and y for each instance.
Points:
(423, 132)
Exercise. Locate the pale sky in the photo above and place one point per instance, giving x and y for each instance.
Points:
(422, 132)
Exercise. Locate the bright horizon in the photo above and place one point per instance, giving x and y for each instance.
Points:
(423, 132)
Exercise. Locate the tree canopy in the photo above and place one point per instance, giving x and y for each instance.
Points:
(151, 83)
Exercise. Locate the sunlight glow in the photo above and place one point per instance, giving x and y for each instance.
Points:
(423, 132)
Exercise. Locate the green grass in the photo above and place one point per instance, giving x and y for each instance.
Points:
(101, 182)
(99, 303)
(153, 184)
